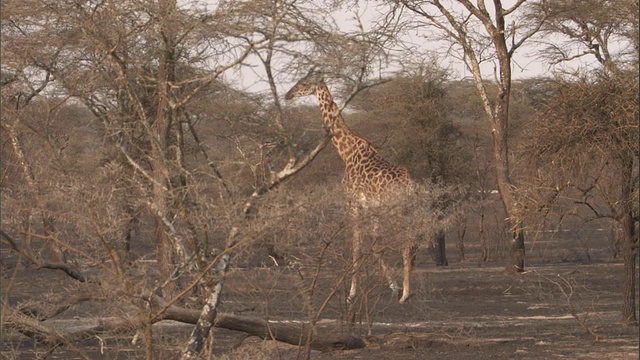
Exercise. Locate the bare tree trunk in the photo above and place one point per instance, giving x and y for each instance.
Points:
(482, 234)
(499, 122)
(496, 111)
(440, 256)
(630, 255)
(516, 251)
(52, 252)
(460, 243)
(629, 245)
(291, 333)
(505, 185)
(615, 240)
(207, 317)
(168, 245)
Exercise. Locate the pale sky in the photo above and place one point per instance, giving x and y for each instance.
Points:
(525, 64)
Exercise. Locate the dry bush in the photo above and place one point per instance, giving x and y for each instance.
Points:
(569, 292)
(419, 213)
(256, 349)
(311, 232)
(584, 149)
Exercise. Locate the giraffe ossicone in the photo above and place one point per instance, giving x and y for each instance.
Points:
(369, 180)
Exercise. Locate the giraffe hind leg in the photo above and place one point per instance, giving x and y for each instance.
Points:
(388, 275)
(353, 290)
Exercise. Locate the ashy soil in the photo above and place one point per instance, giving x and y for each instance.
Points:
(566, 305)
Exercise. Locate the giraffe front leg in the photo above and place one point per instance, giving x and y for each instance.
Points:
(355, 266)
(407, 260)
(356, 256)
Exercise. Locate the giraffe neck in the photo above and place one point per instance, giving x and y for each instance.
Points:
(367, 176)
(346, 141)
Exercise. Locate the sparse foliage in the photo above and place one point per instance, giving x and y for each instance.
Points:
(584, 144)
(585, 137)
(140, 166)
(604, 30)
(415, 107)
(151, 76)
(479, 34)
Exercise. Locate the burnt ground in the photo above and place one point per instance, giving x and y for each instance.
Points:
(567, 305)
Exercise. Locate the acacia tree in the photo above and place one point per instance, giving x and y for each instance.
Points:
(146, 71)
(135, 66)
(477, 34)
(585, 145)
(17, 95)
(594, 30)
(585, 137)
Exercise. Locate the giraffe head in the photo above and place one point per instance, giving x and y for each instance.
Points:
(306, 86)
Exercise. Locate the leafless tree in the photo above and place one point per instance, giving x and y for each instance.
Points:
(585, 145)
(587, 131)
(595, 30)
(151, 76)
(477, 34)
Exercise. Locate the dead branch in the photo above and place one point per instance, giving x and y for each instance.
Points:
(45, 310)
(567, 290)
(72, 271)
(41, 332)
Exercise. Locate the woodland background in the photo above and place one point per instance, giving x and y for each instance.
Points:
(139, 177)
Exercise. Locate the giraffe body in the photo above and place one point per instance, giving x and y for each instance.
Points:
(369, 180)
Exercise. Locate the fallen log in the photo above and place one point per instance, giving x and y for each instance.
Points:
(51, 333)
(290, 333)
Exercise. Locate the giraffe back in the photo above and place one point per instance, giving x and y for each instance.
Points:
(369, 177)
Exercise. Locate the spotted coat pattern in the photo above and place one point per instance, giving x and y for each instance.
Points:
(369, 179)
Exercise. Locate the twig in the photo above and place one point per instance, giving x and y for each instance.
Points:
(566, 288)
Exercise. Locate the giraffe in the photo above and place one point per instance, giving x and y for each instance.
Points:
(369, 180)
